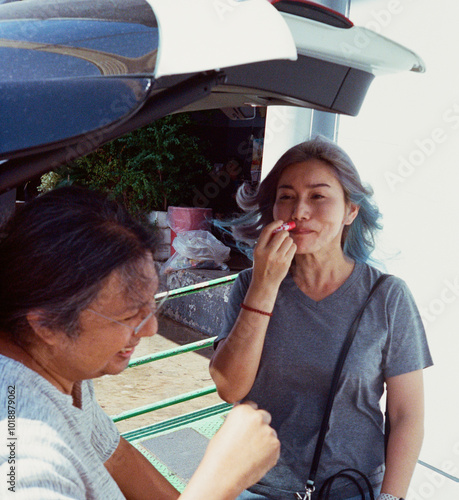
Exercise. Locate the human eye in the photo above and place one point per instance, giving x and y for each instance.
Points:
(317, 196)
(130, 316)
(284, 196)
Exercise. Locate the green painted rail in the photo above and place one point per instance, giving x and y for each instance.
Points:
(177, 422)
(164, 403)
(197, 287)
(193, 346)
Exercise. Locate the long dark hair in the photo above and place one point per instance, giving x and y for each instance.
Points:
(55, 253)
(358, 239)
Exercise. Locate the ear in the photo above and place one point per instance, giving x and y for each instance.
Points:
(45, 334)
(352, 211)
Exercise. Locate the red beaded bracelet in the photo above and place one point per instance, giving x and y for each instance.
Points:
(251, 309)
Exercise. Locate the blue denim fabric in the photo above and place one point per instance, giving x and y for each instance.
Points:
(247, 495)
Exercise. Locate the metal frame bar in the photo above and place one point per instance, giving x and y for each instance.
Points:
(164, 403)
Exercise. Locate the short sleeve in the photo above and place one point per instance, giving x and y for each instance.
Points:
(237, 295)
(406, 349)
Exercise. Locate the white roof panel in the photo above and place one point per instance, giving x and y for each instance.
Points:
(356, 47)
(204, 35)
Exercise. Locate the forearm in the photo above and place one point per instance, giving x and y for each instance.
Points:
(235, 363)
(405, 399)
(403, 450)
(136, 476)
(205, 484)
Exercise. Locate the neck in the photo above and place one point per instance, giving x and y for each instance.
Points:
(320, 276)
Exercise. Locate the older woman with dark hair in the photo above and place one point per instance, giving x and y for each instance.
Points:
(77, 287)
(288, 317)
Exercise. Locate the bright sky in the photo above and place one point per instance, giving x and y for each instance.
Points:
(405, 143)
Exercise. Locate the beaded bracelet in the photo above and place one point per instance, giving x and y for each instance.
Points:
(387, 496)
(251, 309)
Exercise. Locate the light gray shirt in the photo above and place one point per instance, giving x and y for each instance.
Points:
(56, 449)
(302, 345)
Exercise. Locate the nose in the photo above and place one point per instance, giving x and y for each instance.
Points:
(151, 327)
(301, 210)
(148, 326)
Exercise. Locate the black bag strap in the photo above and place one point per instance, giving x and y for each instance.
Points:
(350, 475)
(334, 385)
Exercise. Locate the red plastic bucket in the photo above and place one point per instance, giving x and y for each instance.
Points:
(183, 219)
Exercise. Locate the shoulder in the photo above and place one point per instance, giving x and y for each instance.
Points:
(392, 284)
(34, 397)
(393, 296)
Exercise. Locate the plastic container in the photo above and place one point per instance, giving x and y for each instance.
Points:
(181, 219)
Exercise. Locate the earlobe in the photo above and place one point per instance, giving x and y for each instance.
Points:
(45, 334)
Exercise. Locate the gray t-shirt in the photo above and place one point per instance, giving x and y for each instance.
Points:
(57, 450)
(302, 345)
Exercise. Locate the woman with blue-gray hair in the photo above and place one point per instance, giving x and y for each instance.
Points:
(313, 224)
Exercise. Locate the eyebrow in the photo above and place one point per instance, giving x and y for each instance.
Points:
(311, 186)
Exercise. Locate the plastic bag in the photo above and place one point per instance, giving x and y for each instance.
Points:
(199, 249)
(201, 245)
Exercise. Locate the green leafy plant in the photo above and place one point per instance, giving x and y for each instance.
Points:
(149, 169)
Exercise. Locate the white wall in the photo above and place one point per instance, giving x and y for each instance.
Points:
(405, 142)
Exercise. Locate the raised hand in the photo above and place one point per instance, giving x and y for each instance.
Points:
(240, 454)
(273, 255)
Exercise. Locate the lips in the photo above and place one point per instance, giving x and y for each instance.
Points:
(128, 350)
(299, 230)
